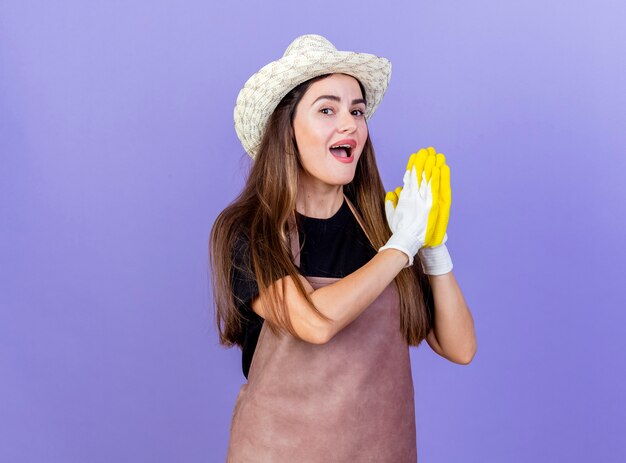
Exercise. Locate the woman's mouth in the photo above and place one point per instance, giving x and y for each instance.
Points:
(342, 153)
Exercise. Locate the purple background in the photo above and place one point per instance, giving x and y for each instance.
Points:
(117, 151)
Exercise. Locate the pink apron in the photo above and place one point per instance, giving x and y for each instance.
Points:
(349, 400)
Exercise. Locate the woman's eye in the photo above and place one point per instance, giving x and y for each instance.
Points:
(358, 111)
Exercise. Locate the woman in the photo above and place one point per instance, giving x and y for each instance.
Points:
(313, 271)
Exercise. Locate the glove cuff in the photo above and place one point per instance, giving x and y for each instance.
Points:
(404, 244)
(435, 261)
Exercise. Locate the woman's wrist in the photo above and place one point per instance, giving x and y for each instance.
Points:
(401, 255)
(435, 260)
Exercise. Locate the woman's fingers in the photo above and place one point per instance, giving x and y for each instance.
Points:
(435, 179)
(441, 160)
(393, 197)
(434, 209)
(391, 201)
(431, 158)
(444, 185)
(445, 199)
(418, 160)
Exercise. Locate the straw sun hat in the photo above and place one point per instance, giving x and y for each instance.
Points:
(306, 57)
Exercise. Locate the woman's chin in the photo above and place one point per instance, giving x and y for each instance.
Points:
(344, 181)
(338, 179)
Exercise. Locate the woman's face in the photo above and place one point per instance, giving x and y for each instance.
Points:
(331, 112)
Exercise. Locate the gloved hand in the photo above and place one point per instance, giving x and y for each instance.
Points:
(434, 256)
(409, 214)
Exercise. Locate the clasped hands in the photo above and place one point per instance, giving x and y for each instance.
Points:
(418, 212)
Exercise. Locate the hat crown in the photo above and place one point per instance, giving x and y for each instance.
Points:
(309, 42)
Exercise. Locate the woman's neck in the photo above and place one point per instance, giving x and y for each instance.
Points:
(319, 203)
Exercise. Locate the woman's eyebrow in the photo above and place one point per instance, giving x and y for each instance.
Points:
(336, 98)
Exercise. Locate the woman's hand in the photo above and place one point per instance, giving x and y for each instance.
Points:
(432, 167)
(412, 212)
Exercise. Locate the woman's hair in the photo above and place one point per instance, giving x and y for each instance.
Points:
(262, 214)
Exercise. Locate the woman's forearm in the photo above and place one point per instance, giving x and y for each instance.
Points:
(454, 325)
(344, 300)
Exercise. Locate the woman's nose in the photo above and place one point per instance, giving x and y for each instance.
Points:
(347, 122)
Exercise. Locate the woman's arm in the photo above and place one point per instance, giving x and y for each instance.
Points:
(453, 335)
(342, 301)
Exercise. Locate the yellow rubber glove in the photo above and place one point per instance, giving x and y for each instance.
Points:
(408, 216)
(445, 201)
(434, 254)
(425, 164)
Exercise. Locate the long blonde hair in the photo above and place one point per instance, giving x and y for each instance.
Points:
(262, 213)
